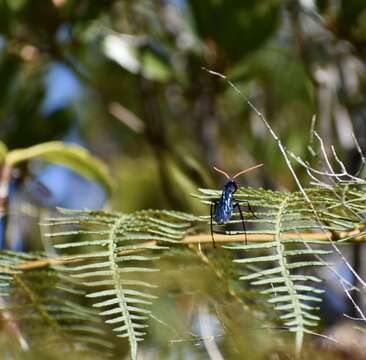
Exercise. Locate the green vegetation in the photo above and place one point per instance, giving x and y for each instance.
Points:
(112, 115)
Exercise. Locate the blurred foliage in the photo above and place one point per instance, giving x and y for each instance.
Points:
(147, 57)
(72, 156)
(232, 19)
(46, 303)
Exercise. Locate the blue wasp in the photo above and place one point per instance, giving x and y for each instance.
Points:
(222, 210)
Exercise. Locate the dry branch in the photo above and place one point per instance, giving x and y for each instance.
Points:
(357, 235)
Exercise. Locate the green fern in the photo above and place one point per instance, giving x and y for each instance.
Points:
(111, 253)
(291, 292)
(114, 256)
(43, 302)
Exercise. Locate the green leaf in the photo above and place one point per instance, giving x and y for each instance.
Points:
(74, 157)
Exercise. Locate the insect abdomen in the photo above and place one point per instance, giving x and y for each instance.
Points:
(224, 208)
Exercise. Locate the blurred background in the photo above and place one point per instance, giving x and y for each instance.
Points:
(125, 80)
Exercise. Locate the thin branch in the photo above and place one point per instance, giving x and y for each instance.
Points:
(357, 235)
(352, 317)
(354, 303)
(362, 155)
(311, 137)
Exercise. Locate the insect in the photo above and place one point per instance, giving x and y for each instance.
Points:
(222, 210)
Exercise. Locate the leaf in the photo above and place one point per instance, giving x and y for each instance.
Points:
(72, 156)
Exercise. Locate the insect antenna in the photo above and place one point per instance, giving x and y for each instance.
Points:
(246, 170)
(222, 172)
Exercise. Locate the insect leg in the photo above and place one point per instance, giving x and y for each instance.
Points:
(242, 221)
(212, 210)
(250, 209)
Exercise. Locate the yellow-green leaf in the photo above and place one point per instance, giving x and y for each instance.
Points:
(72, 156)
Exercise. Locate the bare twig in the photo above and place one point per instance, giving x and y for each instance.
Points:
(357, 235)
(362, 155)
(354, 303)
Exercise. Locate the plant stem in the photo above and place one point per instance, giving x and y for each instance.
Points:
(357, 236)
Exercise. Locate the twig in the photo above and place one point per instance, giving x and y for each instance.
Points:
(311, 137)
(359, 150)
(355, 235)
(352, 317)
(325, 156)
(354, 302)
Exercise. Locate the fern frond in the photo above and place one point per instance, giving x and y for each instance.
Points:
(294, 294)
(43, 302)
(287, 292)
(112, 259)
